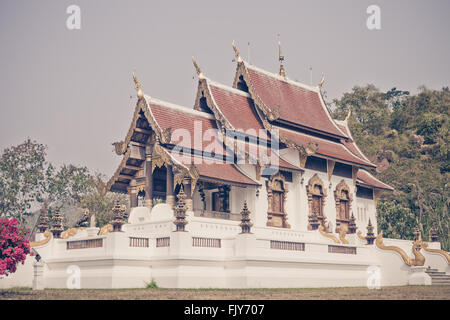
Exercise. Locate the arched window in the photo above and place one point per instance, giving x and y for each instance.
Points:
(276, 196)
(343, 198)
(316, 201)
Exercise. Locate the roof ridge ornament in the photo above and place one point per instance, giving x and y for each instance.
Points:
(281, 59)
(321, 81)
(197, 68)
(236, 52)
(348, 115)
(140, 94)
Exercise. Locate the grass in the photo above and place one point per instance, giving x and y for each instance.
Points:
(156, 293)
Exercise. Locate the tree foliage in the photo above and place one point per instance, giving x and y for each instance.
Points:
(100, 202)
(408, 137)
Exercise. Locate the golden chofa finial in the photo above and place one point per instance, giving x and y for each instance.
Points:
(348, 114)
(321, 81)
(281, 59)
(197, 68)
(140, 94)
(236, 52)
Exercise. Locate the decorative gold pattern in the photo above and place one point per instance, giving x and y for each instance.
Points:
(281, 59)
(419, 259)
(331, 164)
(359, 234)
(342, 234)
(278, 184)
(140, 94)
(327, 235)
(322, 80)
(354, 174)
(48, 236)
(105, 229)
(316, 187)
(197, 68)
(444, 253)
(342, 192)
(236, 52)
(71, 232)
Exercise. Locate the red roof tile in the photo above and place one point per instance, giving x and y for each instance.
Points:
(217, 170)
(238, 109)
(325, 147)
(366, 178)
(272, 159)
(351, 145)
(195, 122)
(296, 103)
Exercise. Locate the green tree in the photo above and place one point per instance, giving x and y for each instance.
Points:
(22, 170)
(28, 180)
(408, 137)
(100, 202)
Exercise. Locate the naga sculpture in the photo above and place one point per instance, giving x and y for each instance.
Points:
(444, 253)
(418, 260)
(47, 235)
(326, 235)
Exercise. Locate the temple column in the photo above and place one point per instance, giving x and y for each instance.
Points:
(132, 192)
(187, 191)
(148, 177)
(170, 198)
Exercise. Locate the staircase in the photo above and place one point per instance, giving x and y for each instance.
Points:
(438, 278)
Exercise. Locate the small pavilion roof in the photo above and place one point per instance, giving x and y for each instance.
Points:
(364, 178)
(350, 143)
(326, 148)
(216, 170)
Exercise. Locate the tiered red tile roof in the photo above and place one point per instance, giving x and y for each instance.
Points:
(238, 108)
(216, 170)
(296, 111)
(326, 148)
(177, 117)
(296, 103)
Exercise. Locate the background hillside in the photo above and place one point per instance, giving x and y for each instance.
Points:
(407, 136)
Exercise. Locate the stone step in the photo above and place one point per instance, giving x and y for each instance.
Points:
(436, 273)
(440, 276)
(440, 283)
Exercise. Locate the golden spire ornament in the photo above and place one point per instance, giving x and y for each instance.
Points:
(197, 68)
(236, 52)
(348, 115)
(140, 94)
(281, 59)
(321, 81)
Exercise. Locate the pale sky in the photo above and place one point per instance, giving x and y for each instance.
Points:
(70, 89)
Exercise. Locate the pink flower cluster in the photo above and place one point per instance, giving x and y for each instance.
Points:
(14, 247)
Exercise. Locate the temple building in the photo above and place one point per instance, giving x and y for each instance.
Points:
(315, 169)
(256, 186)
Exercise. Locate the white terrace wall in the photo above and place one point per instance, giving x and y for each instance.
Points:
(229, 259)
